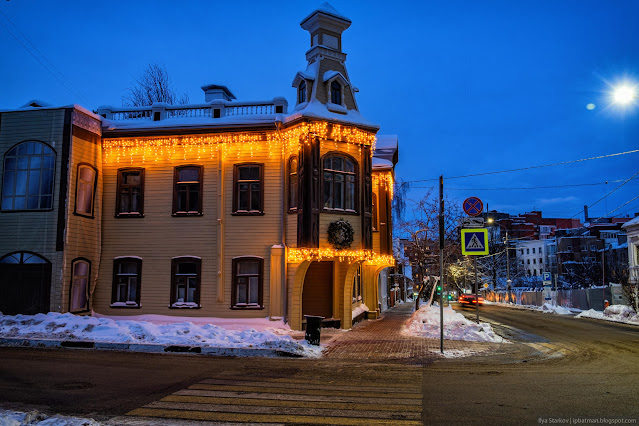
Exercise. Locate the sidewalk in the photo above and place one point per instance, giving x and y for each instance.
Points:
(381, 339)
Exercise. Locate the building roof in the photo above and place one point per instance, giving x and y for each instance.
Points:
(328, 10)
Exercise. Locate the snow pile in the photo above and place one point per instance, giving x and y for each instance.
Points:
(71, 327)
(425, 323)
(19, 418)
(551, 309)
(359, 310)
(616, 313)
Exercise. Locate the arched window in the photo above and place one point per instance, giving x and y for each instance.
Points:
(339, 182)
(79, 288)
(27, 179)
(301, 94)
(336, 93)
(292, 183)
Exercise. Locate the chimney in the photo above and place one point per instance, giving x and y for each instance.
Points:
(586, 214)
(214, 91)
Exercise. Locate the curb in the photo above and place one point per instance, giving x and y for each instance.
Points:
(148, 348)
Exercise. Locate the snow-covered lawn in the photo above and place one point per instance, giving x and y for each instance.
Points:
(425, 323)
(161, 330)
(19, 418)
(616, 313)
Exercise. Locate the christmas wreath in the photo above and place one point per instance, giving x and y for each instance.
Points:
(340, 234)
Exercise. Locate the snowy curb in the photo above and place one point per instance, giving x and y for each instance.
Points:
(137, 347)
(573, 311)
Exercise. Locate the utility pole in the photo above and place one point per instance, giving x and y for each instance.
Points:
(508, 267)
(476, 290)
(441, 262)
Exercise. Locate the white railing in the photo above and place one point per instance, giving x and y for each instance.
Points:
(250, 109)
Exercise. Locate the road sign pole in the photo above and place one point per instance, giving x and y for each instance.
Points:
(476, 289)
(441, 262)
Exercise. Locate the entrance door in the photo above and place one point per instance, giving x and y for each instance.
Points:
(317, 295)
(25, 282)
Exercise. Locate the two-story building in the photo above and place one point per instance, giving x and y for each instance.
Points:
(219, 209)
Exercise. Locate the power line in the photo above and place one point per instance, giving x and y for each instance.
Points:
(625, 182)
(529, 167)
(612, 211)
(525, 187)
(40, 57)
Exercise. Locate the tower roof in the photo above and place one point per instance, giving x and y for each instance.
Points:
(326, 9)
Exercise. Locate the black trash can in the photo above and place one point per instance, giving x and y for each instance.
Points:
(313, 326)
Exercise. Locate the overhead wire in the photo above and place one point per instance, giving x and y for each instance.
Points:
(625, 182)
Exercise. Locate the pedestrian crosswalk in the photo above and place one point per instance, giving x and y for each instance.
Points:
(285, 401)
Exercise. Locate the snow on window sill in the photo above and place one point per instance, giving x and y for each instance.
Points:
(185, 305)
(336, 108)
(124, 305)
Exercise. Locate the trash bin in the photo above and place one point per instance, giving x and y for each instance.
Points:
(313, 326)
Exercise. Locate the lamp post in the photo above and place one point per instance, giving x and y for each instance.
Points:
(508, 280)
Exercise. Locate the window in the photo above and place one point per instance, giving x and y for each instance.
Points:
(339, 183)
(593, 248)
(79, 289)
(127, 272)
(292, 183)
(336, 93)
(248, 189)
(527, 251)
(84, 190)
(187, 191)
(534, 261)
(522, 251)
(301, 95)
(185, 287)
(534, 272)
(375, 214)
(247, 282)
(130, 195)
(27, 179)
(540, 261)
(569, 248)
(357, 285)
(528, 261)
(533, 250)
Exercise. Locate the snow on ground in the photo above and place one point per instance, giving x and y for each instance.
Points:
(546, 308)
(214, 333)
(616, 313)
(359, 310)
(19, 418)
(425, 323)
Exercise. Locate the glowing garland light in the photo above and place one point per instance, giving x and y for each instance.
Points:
(387, 180)
(185, 147)
(298, 255)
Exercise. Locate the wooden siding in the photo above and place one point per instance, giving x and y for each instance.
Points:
(34, 231)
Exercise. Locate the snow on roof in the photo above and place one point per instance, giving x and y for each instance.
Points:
(49, 107)
(380, 163)
(386, 141)
(332, 73)
(316, 109)
(35, 103)
(633, 222)
(191, 122)
(329, 10)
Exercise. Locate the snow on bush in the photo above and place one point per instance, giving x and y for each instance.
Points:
(71, 327)
(425, 323)
(19, 418)
(617, 313)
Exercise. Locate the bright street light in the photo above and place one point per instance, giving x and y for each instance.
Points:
(624, 94)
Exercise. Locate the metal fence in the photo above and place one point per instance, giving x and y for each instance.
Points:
(584, 299)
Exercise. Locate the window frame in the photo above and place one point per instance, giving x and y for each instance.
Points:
(235, 211)
(356, 173)
(260, 284)
(119, 186)
(375, 211)
(77, 184)
(74, 262)
(302, 92)
(176, 176)
(114, 291)
(53, 178)
(290, 173)
(198, 268)
(336, 84)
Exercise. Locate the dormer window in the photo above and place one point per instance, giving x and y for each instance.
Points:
(301, 94)
(336, 93)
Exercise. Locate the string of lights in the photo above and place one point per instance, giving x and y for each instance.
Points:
(299, 255)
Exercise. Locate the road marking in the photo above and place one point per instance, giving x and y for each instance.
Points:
(333, 392)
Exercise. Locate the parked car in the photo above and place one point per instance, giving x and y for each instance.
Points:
(470, 300)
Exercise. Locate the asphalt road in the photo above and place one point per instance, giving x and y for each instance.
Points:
(556, 368)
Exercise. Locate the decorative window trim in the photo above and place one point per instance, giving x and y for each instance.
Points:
(114, 291)
(176, 175)
(174, 304)
(53, 183)
(236, 175)
(354, 212)
(74, 262)
(119, 184)
(77, 184)
(260, 304)
(289, 173)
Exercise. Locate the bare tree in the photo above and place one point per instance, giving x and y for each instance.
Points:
(153, 85)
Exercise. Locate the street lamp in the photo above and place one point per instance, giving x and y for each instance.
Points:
(508, 281)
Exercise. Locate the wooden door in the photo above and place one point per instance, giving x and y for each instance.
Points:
(317, 295)
(24, 287)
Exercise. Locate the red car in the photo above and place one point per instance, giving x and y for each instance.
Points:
(470, 300)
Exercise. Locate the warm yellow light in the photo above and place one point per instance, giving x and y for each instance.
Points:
(491, 220)
(624, 94)
(298, 255)
(387, 179)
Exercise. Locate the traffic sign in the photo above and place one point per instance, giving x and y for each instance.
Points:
(547, 276)
(485, 285)
(472, 222)
(473, 206)
(474, 241)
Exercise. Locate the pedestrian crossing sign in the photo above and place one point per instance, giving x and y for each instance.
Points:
(474, 241)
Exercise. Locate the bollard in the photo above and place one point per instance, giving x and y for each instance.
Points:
(606, 304)
(313, 327)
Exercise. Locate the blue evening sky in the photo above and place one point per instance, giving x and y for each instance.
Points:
(469, 86)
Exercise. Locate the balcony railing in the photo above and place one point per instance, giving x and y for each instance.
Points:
(217, 108)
